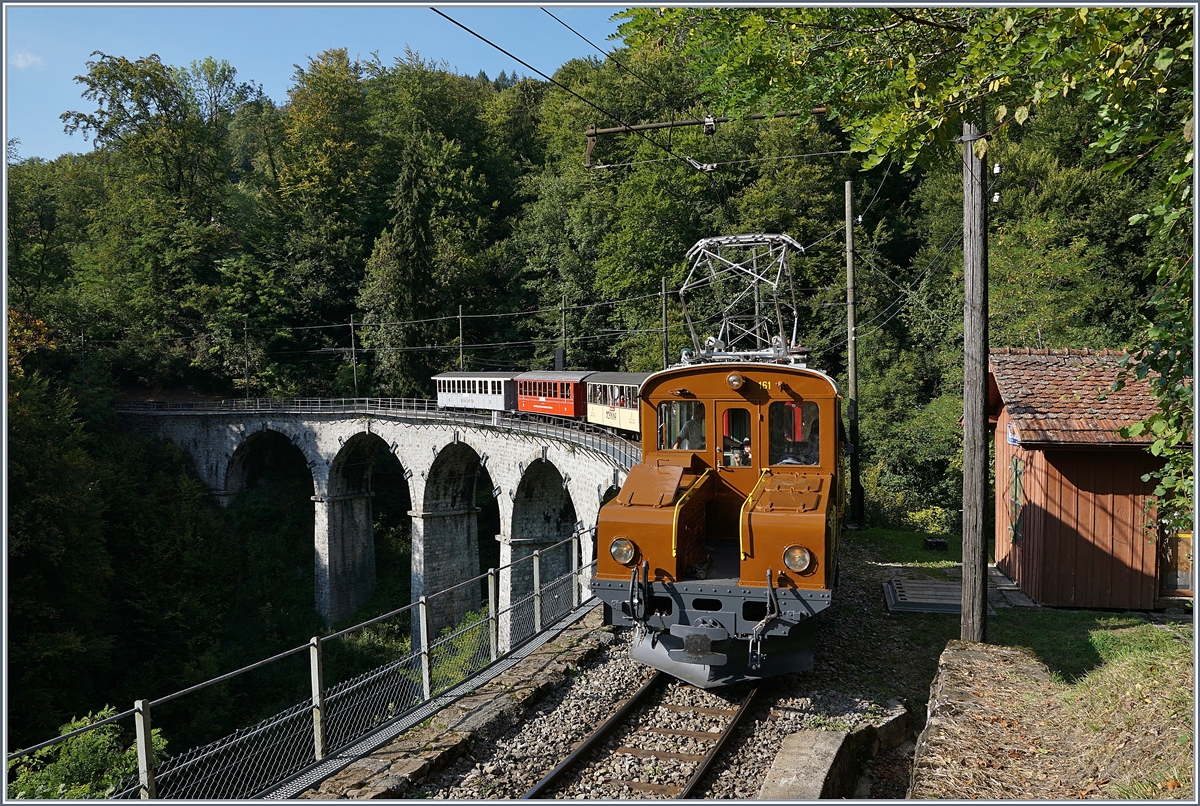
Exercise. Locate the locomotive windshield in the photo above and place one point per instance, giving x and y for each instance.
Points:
(795, 433)
(681, 425)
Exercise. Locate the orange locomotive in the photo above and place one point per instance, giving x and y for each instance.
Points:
(722, 543)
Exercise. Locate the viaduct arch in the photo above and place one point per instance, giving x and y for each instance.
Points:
(549, 481)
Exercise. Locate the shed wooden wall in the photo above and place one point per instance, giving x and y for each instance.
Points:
(1084, 538)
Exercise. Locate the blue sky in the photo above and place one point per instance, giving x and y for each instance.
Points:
(46, 46)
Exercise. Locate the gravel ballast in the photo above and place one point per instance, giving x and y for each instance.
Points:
(864, 657)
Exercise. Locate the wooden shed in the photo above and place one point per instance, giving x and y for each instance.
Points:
(1072, 524)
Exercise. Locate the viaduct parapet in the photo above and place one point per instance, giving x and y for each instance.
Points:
(550, 479)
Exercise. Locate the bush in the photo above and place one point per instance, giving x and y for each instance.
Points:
(933, 521)
(889, 505)
(90, 765)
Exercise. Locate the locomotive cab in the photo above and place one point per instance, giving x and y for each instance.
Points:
(723, 542)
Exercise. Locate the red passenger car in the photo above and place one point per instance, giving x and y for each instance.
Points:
(558, 393)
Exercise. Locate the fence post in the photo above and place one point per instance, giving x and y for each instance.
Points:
(537, 591)
(493, 625)
(145, 748)
(426, 678)
(318, 696)
(576, 582)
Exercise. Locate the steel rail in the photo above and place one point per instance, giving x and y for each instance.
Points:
(711, 756)
(600, 734)
(719, 741)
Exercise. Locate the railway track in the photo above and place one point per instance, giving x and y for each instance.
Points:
(662, 744)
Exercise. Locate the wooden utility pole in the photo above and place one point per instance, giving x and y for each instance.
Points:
(460, 340)
(353, 356)
(666, 358)
(246, 341)
(975, 364)
(856, 496)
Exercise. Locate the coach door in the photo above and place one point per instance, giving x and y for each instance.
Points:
(736, 462)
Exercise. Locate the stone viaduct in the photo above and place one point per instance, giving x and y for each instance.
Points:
(550, 478)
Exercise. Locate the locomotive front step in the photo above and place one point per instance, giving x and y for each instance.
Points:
(785, 654)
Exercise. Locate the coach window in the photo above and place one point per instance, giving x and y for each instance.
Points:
(681, 425)
(795, 433)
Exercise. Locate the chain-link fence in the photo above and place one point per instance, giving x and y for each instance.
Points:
(252, 759)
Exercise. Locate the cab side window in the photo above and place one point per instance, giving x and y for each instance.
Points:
(681, 426)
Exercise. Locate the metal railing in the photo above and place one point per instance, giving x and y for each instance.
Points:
(624, 452)
(255, 758)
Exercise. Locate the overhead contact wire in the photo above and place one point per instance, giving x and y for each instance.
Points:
(561, 86)
(610, 57)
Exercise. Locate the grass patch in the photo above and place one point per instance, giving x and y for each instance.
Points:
(895, 547)
(1136, 710)
(1074, 642)
(1119, 709)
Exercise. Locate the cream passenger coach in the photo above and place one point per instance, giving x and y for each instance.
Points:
(609, 399)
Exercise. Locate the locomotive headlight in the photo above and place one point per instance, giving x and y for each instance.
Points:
(623, 550)
(797, 558)
(734, 380)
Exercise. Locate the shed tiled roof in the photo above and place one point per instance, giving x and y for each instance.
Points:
(1065, 397)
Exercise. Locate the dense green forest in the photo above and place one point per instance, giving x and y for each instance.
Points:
(220, 243)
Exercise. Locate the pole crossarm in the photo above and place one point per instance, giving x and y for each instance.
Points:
(591, 132)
